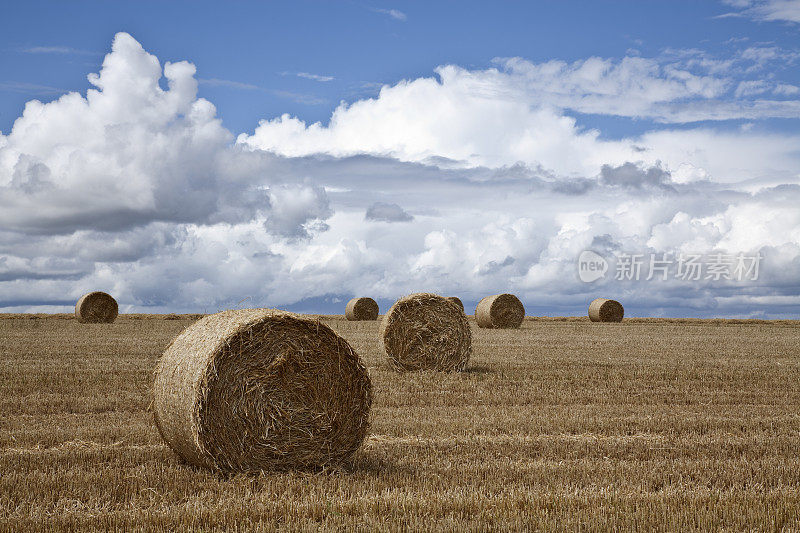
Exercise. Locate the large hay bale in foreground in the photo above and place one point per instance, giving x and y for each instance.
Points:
(361, 309)
(456, 300)
(500, 311)
(260, 389)
(426, 332)
(605, 310)
(96, 307)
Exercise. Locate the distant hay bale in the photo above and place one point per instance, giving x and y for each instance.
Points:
(604, 310)
(456, 300)
(260, 389)
(500, 311)
(426, 332)
(96, 307)
(361, 309)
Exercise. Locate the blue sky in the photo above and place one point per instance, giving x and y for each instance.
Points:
(256, 49)
(190, 156)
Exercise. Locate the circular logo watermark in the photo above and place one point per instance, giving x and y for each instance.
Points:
(591, 266)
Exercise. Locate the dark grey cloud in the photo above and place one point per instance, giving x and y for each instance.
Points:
(493, 266)
(633, 176)
(604, 243)
(297, 211)
(573, 186)
(383, 212)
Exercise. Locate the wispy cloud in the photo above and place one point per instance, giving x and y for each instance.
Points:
(765, 10)
(308, 76)
(307, 99)
(300, 98)
(315, 77)
(216, 82)
(786, 89)
(62, 50)
(28, 88)
(394, 13)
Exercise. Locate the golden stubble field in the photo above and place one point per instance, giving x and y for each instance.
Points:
(563, 424)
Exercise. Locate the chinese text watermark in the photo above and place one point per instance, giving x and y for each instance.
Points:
(653, 266)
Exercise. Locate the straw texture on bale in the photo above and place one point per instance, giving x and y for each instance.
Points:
(604, 310)
(96, 307)
(500, 311)
(456, 300)
(260, 389)
(426, 332)
(361, 309)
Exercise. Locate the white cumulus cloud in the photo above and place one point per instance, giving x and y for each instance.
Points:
(139, 190)
(129, 153)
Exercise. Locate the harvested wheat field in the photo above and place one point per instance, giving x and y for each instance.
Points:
(561, 424)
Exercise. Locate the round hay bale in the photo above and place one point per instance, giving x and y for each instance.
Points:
(456, 300)
(361, 309)
(604, 310)
(260, 389)
(500, 311)
(96, 307)
(426, 332)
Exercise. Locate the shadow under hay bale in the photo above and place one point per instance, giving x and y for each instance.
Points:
(456, 300)
(501, 311)
(426, 332)
(260, 389)
(605, 310)
(96, 308)
(361, 309)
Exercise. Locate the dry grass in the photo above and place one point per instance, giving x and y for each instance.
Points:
(562, 424)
